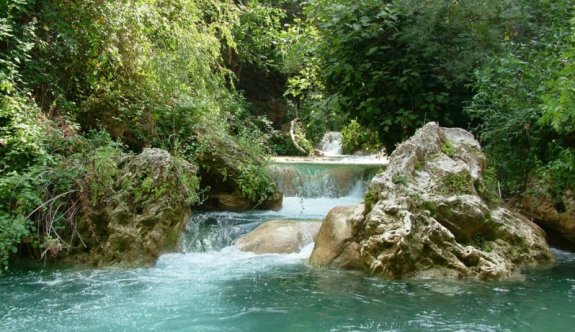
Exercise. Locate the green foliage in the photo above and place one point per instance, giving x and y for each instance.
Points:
(448, 149)
(142, 187)
(394, 65)
(22, 132)
(40, 204)
(12, 232)
(101, 172)
(132, 67)
(559, 98)
(258, 35)
(524, 121)
(255, 184)
(456, 184)
(370, 198)
(506, 105)
(189, 185)
(355, 137)
(17, 32)
(558, 175)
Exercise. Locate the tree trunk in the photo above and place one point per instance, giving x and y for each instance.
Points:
(292, 135)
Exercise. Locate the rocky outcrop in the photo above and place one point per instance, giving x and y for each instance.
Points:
(279, 237)
(431, 215)
(558, 216)
(235, 202)
(142, 216)
(233, 174)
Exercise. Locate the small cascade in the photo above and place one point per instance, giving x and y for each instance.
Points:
(212, 231)
(331, 144)
(321, 180)
(311, 188)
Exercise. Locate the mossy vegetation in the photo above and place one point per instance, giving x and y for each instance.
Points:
(399, 179)
(488, 189)
(456, 184)
(448, 149)
(370, 198)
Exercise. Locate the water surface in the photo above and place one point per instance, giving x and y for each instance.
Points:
(234, 291)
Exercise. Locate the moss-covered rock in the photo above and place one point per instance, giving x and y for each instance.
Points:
(142, 215)
(430, 215)
(233, 174)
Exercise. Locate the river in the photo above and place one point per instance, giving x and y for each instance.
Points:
(211, 286)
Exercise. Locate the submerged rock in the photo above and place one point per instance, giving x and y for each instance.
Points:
(143, 216)
(279, 237)
(430, 215)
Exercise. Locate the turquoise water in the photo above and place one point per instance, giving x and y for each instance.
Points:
(211, 286)
(233, 291)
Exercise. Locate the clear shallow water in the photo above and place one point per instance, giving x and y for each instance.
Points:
(211, 286)
(234, 291)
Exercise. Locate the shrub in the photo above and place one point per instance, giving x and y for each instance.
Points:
(255, 184)
(356, 137)
(23, 130)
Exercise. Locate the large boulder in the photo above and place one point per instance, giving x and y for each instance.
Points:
(335, 244)
(144, 214)
(279, 237)
(431, 215)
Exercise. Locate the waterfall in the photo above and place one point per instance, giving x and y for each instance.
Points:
(311, 188)
(209, 231)
(331, 144)
(312, 180)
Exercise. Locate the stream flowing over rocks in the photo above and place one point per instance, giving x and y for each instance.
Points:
(430, 214)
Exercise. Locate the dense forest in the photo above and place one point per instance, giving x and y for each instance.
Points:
(216, 83)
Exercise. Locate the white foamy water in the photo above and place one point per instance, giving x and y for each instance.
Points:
(331, 144)
(226, 263)
(317, 180)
